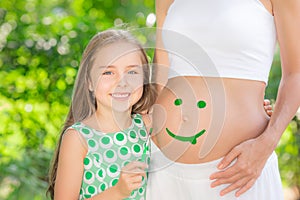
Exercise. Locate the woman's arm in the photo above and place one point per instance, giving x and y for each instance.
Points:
(161, 55)
(252, 154)
(287, 19)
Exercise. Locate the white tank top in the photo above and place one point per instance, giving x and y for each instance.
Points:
(219, 38)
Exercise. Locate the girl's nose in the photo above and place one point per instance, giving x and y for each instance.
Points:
(122, 81)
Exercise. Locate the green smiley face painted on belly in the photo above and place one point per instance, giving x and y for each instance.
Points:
(192, 139)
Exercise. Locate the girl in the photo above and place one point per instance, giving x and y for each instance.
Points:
(104, 134)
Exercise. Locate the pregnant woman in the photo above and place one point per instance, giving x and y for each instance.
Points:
(211, 136)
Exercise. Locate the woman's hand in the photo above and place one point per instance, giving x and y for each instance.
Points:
(248, 159)
(268, 107)
(131, 178)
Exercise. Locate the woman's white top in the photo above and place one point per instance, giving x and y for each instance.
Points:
(219, 38)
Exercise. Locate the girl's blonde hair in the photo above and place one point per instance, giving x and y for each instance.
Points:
(83, 103)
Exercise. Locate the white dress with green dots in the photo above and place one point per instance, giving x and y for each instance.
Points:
(108, 153)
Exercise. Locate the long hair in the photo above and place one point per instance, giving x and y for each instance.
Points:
(83, 103)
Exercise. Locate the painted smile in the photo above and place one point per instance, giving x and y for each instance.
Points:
(191, 139)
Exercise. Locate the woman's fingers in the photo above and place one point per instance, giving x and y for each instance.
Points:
(231, 156)
(267, 102)
(245, 188)
(235, 185)
(242, 174)
(268, 107)
(222, 175)
(269, 110)
(225, 178)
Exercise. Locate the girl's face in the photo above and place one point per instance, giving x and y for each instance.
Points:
(117, 77)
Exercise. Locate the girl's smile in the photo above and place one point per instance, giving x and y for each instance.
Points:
(120, 96)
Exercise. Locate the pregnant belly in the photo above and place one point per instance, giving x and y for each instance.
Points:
(200, 119)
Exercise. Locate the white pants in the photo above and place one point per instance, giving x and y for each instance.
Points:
(177, 181)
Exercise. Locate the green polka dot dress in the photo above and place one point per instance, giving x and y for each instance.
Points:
(108, 153)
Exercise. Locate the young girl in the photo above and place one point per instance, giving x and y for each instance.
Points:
(104, 135)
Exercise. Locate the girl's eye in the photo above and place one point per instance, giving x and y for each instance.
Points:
(107, 73)
(132, 72)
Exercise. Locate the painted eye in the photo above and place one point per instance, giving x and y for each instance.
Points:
(178, 102)
(201, 104)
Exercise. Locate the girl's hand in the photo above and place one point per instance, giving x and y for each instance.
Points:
(131, 178)
(250, 158)
(268, 107)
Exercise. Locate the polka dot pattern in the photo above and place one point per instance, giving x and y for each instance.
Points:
(101, 174)
(102, 187)
(124, 153)
(88, 177)
(136, 150)
(92, 144)
(114, 182)
(87, 163)
(113, 170)
(110, 156)
(108, 153)
(120, 139)
(133, 136)
(105, 142)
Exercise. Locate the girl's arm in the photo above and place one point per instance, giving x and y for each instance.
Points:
(70, 169)
(161, 59)
(252, 154)
(70, 166)
(70, 172)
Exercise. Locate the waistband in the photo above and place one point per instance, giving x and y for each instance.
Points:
(159, 162)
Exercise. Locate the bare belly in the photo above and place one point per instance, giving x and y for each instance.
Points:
(198, 119)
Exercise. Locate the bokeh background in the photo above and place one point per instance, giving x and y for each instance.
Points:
(41, 42)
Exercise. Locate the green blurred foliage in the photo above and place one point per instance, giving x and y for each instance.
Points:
(40, 49)
(289, 157)
(41, 43)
